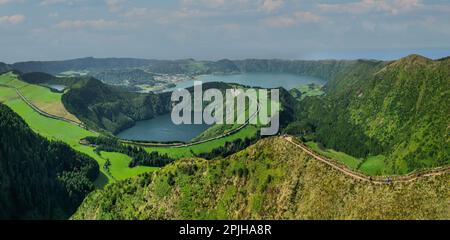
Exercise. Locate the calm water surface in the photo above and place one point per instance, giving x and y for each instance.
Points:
(57, 87)
(162, 129)
(265, 80)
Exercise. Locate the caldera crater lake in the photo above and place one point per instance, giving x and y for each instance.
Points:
(162, 129)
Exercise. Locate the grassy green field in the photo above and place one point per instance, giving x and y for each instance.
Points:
(119, 162)
(373, 165)
(269, 180)
(40, 96)
(310, 91)
(62, 131)
(7, 94)
(72, 134)
(10, 79)
(216, 130)
(248, 131)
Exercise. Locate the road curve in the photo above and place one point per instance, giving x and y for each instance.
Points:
(372, 179)
(332, 163)
(143, 144)
(181, 145)
(46, 114)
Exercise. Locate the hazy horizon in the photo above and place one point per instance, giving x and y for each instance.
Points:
(432, 54)
(42, 30)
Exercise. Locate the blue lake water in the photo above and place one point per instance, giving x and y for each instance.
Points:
(265, 80)
(162, 129)
(57, 87)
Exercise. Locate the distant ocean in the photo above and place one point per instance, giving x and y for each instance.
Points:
(379, 54)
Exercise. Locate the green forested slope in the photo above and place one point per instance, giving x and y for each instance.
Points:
(125, 76)
(4, 68)
(39, 179)
(107, 107)
(269, 180)
(111, 108)
(399, 109)
(324, 69)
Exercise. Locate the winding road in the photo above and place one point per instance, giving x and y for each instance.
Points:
(372, 179)
(143, 144)
(46, 114)
(181, 145)
(332, 163)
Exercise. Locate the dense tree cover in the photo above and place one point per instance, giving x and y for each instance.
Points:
(125, 77)
(55, 67)
(39, 179)
(45, 79)
(110, 108)
(38, 77)
(4, 67)
(139, 156)
(323, 69)
(326, 69)
(370, 107)
(229, 148)
(399, 109)
(223, 66)
(269, 180)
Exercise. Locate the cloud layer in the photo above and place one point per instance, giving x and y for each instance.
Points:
(13, 19)
(212, 29)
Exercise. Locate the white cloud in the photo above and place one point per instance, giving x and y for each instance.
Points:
(271, 5)
(53, 14)
(137, 12)
(364, 6)
(166, 17)
(231, 27)
(207, 3)
(294, 19)
(13, 19)
(51, 2)
(80, 24)
(9, 1)
(220, 4)
(115, 5)
(307, 17)
(282, 21)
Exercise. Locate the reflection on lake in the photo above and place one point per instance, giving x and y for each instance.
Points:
(161, 129)
(264, 80)
(57, 87)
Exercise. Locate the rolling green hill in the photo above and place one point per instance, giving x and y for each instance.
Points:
(381, 118)
(89, 63)
(39, 179)
(4, 68)
(326, 69)
(58, 130)
(269, 180)
(125, 77)
(101, 106)
(400, 110)
(113, 109)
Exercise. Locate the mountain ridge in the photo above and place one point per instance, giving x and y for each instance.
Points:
(399, 109)
(263, 182)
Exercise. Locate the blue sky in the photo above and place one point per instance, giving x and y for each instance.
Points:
(216, 29)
